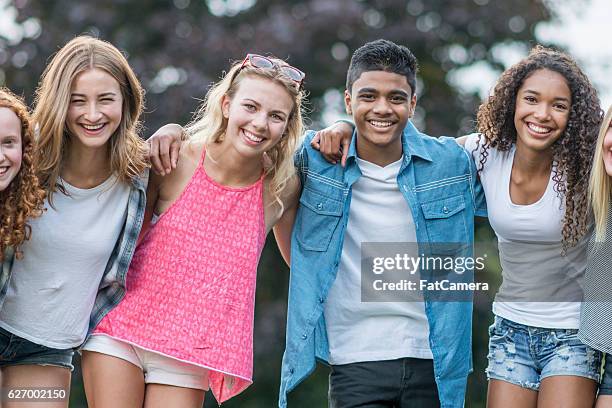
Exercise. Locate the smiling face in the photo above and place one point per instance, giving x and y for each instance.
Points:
(95, 108)
(257, 115)
(381, 103)
(543, 105)
(10, 147)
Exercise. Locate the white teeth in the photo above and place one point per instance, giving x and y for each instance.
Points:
(538, 129)
(378, 123)
(93, 127)
(252, 137)
(3, 170)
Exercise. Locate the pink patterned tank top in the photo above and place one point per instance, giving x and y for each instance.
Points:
(191, 283)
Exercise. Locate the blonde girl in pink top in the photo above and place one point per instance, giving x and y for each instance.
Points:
(186, 323)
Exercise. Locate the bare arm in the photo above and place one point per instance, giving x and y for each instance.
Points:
(284, 226)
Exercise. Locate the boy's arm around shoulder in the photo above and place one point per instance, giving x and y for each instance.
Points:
(478, 195)
(471, 144)
(444, 146)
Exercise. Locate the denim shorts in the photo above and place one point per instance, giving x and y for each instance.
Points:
(15, 350)
(525, 355)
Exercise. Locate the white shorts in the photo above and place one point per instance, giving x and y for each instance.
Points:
(157, 368)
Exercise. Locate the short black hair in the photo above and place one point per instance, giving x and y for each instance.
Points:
(383, 55)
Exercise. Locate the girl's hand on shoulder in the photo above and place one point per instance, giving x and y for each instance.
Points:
(333, 142)
(164, 148)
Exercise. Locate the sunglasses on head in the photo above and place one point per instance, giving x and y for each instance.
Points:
(259, 61)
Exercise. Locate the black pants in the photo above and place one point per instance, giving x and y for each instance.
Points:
(403, 383)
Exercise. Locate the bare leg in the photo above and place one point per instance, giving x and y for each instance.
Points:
(168, 396)
(502, 394)
(111, 382)
(567, 391)
(604, 401)
(36, 377)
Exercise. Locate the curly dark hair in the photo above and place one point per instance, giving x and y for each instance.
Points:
(572, 152)
(383, 55)
(24, 197)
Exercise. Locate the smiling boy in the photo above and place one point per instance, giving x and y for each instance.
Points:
(398, 186)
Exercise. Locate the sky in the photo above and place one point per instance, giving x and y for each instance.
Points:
(587, 32)
(583, 27)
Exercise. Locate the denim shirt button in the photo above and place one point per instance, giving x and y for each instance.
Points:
(445, 210)
(321, 300)
(320, 206)
(304, 337)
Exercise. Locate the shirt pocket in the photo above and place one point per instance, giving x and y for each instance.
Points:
(319, 218)
(445, 223)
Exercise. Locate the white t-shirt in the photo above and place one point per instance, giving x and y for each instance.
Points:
(373, 331)
(529, 240)
(53, 288)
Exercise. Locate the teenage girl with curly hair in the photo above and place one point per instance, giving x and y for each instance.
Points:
(536, 138)
(596, 314)
(20, 194)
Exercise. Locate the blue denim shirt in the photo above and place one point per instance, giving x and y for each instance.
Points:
(112, 287)
(438, 180)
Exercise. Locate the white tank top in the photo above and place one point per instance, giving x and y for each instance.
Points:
(536, 278)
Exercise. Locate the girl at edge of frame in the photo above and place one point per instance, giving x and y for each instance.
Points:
(92, 166)
(21, 197)
(596, 313)
(535, 143)
(186, 323)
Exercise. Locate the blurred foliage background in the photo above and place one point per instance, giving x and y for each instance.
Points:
(178, 48)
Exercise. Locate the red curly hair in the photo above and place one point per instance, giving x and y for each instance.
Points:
(24, 197)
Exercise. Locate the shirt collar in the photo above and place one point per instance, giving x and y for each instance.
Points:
(412, 144)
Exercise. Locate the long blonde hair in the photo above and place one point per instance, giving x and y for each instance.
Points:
(127, 149)
(209, 124)
(599, 183)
